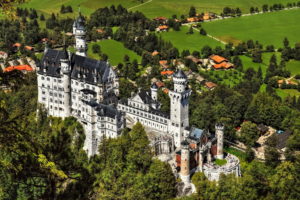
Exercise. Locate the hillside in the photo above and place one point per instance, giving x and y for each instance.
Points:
(151, 8)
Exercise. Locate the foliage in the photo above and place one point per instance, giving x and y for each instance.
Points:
(127, 170)
(249, 133)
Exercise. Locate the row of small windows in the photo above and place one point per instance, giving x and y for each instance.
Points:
(54, 79)
(57, 108)
(152, 124)
(51, 100)
(143, 114)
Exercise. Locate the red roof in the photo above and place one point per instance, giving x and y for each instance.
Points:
(3, 53)
(163, 62)
(223, 65)
(210, 85)
(29, 48)
(166, 90)
(17, 44)
(163, 27)
(18, 67)
(168, 72)
(160, 18)
(217, 59)
(160, 84)
(154, 53)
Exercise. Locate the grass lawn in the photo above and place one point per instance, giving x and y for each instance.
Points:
(294, 67)
(169, 7)
(231, 80)
(268, 28)
(220, 162)
(283, 93)
(247, 63)
(192, 42)
(240, 154)
(115, 51)
(86, 6)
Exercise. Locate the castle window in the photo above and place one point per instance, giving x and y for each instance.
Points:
(43, 92)
(42, 78)
(48, 79)
(54, 80)
(43, 99)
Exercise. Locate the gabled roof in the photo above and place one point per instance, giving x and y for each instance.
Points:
(18, 67)
(196, 133)
(223, 65)
(180, 74)
(217, 58)
(82, 68)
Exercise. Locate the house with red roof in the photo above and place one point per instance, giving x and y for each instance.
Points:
(23, 68)
(3, 55)
(162, 28)
(210, 85)
(218, 62)
(164, 64)
(29, 48)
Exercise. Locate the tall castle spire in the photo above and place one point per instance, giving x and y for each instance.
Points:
(79, 32)
(179, 112)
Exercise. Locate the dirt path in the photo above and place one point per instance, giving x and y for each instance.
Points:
(139, 5)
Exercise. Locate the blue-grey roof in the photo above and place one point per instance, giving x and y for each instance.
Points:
(83, 68)
(196, 133)
(154, 86)
(180, 74)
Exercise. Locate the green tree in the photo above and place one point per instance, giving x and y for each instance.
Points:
(249, 133)
(192, 12)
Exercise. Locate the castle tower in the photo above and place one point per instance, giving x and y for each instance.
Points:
(154, 89)
(185, 162)
(179, 109)
(201, 158)
(79, 32)
(66, 71)
(220, 140)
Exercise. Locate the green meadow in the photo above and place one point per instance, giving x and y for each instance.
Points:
(267, 28)
(193, 42)
(115, 51)
(294, 67)
(169, 7)
(86, 6)
(152, 8)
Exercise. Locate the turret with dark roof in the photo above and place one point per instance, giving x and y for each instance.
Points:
(180, 74)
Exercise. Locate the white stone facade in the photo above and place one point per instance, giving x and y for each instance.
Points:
(87, 89)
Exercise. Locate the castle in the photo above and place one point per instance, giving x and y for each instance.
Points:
(87, 89)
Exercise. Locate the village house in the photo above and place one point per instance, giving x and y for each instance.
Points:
(22, 68)
(155, 53)
(162, 28)
(218, 62)
(3, 55)
(210, 85)
(29, 48)
(195, 60)
(167, 73)
(161, 20)
(164, 64)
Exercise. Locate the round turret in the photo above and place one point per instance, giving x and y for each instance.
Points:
(64, 61)
(180, 81)
(180, 74)
(220, 140)
(185, 162)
